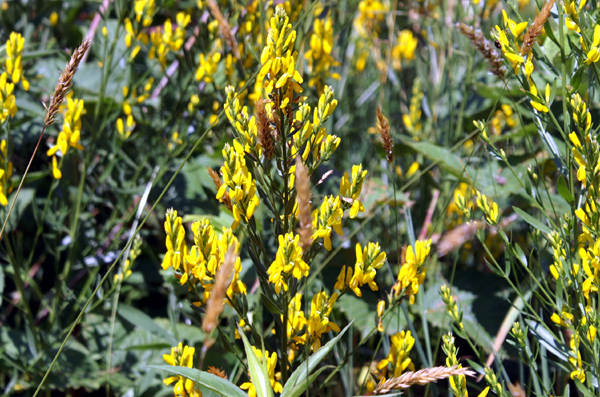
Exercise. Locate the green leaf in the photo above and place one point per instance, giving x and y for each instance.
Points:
(299, 389)
(258, 370)
(142, 320)
(270, 305)
(297, 379)
(548, 340)
(532, 221)
(212, 382)
(584, 390)
(564, 191)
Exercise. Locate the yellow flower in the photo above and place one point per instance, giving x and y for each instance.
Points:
(367, 262)
(181, 356)
(14, 65)
(318, 322)
(320, 60)
(53, 19)
(244, 125)
(144, 11)
(175, 241)
(125, 129)
(271, 362)
(412, 273)
(208, 66)
(397, 359)
(405, 49)
(238, 183)
(288, 261)
(515, 28)
(7, 99)
(56, 173)
(593, 55)
(6, 170)
(327, 218)
(489, 208)
(350, 189)
(70, 133)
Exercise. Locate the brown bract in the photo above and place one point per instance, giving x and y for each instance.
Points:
(263, 124)
(218, 183)
(216, 302)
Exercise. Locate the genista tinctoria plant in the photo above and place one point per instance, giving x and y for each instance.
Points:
(266, 176)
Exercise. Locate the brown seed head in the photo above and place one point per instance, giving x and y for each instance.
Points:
(485, 47)
(263, 124)
(386, 138)
(420, 377)
(536, 28)
(65, 81)
(304, 206)
(216, 302)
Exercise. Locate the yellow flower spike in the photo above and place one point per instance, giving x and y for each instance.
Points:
(398, 360)
(593, 55)
(8, 108)
(182, 356)
(288, 262)
(318, 322)
(515, 28)
(14, 65)
(270, 361)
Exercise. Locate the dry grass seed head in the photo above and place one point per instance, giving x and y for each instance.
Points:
(420, 377)
(218, 183)
(263, 124)
(485, 47)
(536, 28)
(386, 137)
(65, 81)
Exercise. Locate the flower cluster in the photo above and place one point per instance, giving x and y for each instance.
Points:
(69, 135)
(8, 107)
(288, 262)
(182, 356)
(398, 360)
(199, 265)
(412, 273)
(319, 57)
(271, 362)
(368, 260)
(14, 62)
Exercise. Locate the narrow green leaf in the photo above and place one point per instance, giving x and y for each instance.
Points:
(270, 305)
(258, 370)
(520, 254)
(532, 221)
(564, 191)
(212, 382)
(300, 374)
(584, 390)
(142, 320)
(548, 340)
(299, 389)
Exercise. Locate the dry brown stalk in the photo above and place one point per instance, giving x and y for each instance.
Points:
(456, 237)
(224, 27)
(218, 183)
(536, 28)
(485, 47)
(216, 304)
(263, 124)
(65, 81)
(304, 207)
(420, 377)
(386, 137)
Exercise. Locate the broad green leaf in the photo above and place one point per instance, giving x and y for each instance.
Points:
(564, 191)
(258, 370)
(212, 382)
(142, 320)
(300, 374)
(532, 221)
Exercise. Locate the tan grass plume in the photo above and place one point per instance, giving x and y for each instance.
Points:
(304, 206)
(263, 124)
(486, 48)
(420, 377)
(218, 183)
(65, 81)
(216, 304)
(386, 137)
(224, 27)
(536, 28)
(457, 237)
